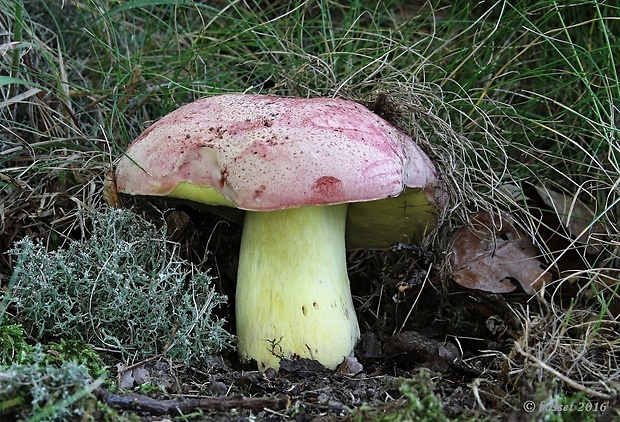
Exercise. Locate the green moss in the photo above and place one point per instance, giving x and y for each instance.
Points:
(13, 346)
(53, 389)
(84, 354)
(37, 388)
(570, 408)
(418, 403)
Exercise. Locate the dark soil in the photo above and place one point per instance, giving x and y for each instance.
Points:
(304, 390)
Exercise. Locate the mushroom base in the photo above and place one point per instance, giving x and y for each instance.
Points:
(293, 293)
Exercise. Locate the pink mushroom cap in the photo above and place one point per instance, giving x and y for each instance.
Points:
(269, 153)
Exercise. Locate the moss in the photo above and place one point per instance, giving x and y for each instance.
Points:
(565, 407)
(13, 346)
(419, 402)
(38, 388)
(84, 354)
(54, 387)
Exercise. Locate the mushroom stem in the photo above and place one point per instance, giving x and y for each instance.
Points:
(293, 294)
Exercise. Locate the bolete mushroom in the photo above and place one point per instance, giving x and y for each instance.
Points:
(302, 169)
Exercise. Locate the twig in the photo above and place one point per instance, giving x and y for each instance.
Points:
(141, 403)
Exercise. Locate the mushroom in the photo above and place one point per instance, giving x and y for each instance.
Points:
(307, 172)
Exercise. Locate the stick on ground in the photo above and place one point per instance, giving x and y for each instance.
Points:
(140, 403)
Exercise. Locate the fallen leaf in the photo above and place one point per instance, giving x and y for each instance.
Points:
(492, 255)
(135, 376)
(109, 193)
(575, 216)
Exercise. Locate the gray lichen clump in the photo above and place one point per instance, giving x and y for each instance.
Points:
(124, 288)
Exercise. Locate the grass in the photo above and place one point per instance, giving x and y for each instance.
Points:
(504, 96)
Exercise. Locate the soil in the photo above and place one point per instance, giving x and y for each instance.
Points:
(304, 390)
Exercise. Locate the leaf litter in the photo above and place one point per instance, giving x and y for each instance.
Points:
(491, 254)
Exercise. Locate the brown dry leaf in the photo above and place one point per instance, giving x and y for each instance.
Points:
(576, 216)
(495, 257)
(110, 194)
